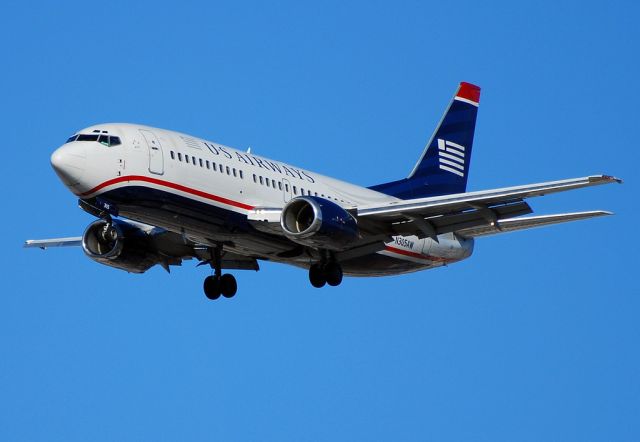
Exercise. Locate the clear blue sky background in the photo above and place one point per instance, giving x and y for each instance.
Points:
(534, 338)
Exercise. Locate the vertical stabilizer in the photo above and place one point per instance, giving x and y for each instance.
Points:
(443, 167)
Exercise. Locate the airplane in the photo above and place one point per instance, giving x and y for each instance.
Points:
(161, 197)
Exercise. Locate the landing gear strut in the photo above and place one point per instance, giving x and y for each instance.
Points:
(325, 273)
(219, 284)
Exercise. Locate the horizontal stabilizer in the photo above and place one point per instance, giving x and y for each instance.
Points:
(513, 224)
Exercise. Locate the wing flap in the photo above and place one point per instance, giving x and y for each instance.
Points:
(458, 221)
(514, 224)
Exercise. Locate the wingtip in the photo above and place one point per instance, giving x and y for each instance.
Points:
(605, 178)
(612, 178)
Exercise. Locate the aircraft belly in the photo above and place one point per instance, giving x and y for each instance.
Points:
(207, 224)
(199, 221)
(380, 265)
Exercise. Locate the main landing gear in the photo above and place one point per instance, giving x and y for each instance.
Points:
(325, 273)
(216, 285)
(219, 284)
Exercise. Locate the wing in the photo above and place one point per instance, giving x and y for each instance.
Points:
(75, 241)
(484, 211)
(513, 224)
(170, 248)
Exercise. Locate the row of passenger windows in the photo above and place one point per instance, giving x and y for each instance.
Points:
(268, 182)
(206, 163)
(107, 140)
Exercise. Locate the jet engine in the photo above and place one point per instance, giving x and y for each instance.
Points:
(317, 222)
(119, 244)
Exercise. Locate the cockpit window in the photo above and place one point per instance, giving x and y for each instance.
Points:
(83, 137)
(102, 139)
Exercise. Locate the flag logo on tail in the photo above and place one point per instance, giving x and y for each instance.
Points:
(451, 157)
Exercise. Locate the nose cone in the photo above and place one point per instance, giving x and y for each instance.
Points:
(69, 163)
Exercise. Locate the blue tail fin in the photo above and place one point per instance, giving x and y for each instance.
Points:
(443, 166)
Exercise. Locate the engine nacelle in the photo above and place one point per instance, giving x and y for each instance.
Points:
(119, 244)
(318, 222)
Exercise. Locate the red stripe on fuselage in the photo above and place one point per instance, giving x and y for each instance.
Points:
(170, 185)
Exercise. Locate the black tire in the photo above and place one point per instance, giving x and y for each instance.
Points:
(212, 287)
(333, 274)
(228, 285)
(316, 276)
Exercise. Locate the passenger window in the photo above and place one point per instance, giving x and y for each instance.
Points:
(208, 165)
(295, 190)
(194, 161)
(234, 171)
(114, 141)
(255, 180)
(241, 175)
(221, 168)
(279, 185)
(261, 180)
(228, 171)
(315, 193)
(186, 159)
(179, 156)
(301, 191)
(173, 155)
(200, 160)
(273, 183)
(214, 166)
(286, 187)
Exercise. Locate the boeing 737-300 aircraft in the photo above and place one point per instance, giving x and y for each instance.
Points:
(162, 197)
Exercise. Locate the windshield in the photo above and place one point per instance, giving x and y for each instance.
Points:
(106, 140)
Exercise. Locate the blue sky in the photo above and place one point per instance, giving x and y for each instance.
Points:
(534, 338)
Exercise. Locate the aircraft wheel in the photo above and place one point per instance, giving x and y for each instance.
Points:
(333, 273)
(316, 276)
(228, 285)
(212, 287)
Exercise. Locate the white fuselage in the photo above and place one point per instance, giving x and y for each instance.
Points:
(206, 190)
